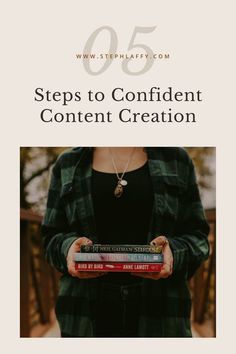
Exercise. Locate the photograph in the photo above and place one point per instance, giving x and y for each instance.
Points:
(117, 242)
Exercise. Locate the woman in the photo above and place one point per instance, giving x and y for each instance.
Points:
(125, 196)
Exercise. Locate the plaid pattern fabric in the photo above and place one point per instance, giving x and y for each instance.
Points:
(177, 213)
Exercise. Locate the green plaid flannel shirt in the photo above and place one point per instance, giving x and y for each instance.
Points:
(177, 213)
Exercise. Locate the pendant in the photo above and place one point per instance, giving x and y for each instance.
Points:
(118, 190)
(123, 182)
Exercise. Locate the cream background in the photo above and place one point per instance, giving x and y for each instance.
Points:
(40, 40)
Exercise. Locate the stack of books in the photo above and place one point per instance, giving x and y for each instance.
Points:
(119, 258)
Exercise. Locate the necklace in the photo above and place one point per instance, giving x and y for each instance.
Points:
(121, 181)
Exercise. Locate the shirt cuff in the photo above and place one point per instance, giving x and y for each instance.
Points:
(179, 257)
(66, 245)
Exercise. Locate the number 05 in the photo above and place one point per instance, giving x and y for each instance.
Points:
(113, 47)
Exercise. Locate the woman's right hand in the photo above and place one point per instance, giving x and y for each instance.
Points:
(75, 247)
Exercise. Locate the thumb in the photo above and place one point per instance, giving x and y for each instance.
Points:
(83, 241)
(159, 241)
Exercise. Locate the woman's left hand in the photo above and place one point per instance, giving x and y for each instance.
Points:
(167, 268)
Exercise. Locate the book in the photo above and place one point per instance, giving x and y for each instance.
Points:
(118, 267)
(119, 257)
(98, 248)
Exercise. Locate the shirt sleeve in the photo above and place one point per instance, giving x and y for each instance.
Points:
(190, 245)
(57, 237)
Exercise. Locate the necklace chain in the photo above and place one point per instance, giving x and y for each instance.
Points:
(126, 166)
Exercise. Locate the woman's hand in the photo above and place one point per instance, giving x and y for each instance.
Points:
(75, 247)
(167, 268)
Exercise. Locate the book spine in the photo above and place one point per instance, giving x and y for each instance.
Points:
(118, 267)
(119, 257)
(120, 249)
